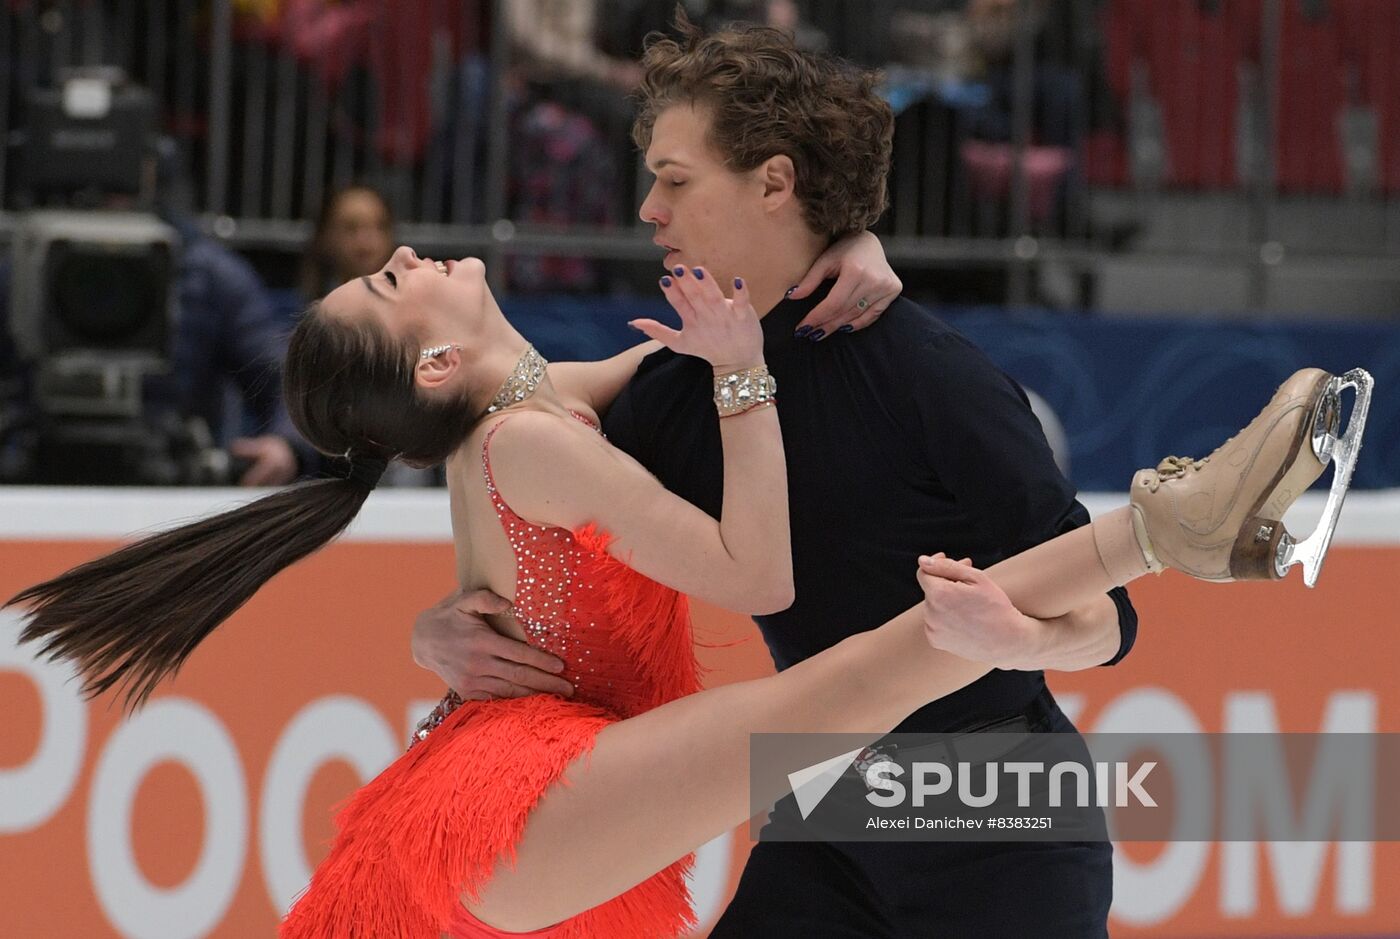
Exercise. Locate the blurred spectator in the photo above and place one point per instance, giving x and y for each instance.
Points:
(562, 172)
(965, 60)
(779, 14)
(407, 49)
(429, 80)
(628, 25)
(556, 50)
(571, 130)
(993, 28)
(353, 237)
(229, 332)
(1057, 123)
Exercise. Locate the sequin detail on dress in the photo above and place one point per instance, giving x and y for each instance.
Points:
(557, 594)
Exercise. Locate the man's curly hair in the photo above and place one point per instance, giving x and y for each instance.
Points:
(767, 97)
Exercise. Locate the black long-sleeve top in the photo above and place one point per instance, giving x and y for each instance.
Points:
(901, 439)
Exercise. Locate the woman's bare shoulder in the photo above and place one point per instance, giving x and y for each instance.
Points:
(553, 466)
(542, 441)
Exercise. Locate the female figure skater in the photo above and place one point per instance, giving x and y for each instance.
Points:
(576, 817)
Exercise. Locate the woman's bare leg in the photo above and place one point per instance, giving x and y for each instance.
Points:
(661, 784)
(1067, 572)
(658, 785)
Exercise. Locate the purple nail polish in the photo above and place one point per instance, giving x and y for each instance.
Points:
(848, 328)
(699, 273)
(816, 336)
(665, 281)
(802, 332)
(679, 271)
(738, 283)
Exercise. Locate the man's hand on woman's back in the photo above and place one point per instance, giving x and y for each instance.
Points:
(454, 641)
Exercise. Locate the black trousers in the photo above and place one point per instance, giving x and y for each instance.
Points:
(926, 890)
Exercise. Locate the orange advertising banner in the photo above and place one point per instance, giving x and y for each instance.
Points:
(204, 813)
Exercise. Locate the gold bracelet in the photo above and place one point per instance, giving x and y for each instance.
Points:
(737, 392)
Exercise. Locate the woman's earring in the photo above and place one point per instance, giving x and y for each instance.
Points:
(433, 352)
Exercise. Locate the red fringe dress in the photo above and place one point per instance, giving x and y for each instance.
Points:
(434, 824)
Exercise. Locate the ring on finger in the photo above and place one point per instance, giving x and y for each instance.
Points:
(862, 303)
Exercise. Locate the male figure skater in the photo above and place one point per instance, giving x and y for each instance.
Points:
(902, 439)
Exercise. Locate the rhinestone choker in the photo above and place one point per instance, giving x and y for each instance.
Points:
(520, 383)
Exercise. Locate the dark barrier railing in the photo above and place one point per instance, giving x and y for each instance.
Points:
(1029, 132)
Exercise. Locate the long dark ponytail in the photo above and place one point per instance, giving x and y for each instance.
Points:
(131, 618)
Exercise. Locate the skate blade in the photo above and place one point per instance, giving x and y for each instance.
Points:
(1342, 451)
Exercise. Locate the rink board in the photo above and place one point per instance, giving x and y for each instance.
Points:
(203, 815)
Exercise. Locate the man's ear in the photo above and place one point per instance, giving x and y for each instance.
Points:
(779, 180)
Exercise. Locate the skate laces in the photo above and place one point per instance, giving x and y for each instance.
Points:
(1174, 467)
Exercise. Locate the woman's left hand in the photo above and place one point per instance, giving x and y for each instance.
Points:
(865, 286)
(967, 614)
